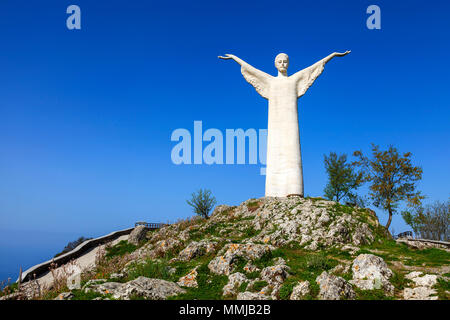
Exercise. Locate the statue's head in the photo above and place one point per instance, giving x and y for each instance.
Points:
(282, 62)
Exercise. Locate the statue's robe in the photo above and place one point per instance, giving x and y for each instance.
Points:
(284, 175)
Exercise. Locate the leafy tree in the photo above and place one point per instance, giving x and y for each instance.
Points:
(202, 202)
(393, 179)
(430, 222)
(342, 179)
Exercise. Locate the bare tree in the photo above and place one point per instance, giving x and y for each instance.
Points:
(430, 222)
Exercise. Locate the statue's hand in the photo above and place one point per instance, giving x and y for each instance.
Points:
(227, 57)
(339, 54)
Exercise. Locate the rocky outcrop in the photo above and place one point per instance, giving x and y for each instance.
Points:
(371, 272)
(189, 280)
(137, 235)
(423, 289)
(424, 244)
(275, 275)
(152, 289)
(252, 296)
(64, 296)
(196, 249)
(300, 291)
(235, 280)
(223, 263)
(311, 223)
(334, 288)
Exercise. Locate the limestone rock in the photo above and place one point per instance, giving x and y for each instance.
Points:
(235, 280)
(196, 249)
(350, 249)
(189, 280)
(64, 296)
(249, 267)
(153, 289)
(300, 290)
(137, 235)
(117, 276)
(371, 272)
(251, 296)
(334, 288)
(419, 293)
(340, 268)
(93, 282)
(275, 274)
(223, 264)
(219, 209)
(164, 246)
(428, 280)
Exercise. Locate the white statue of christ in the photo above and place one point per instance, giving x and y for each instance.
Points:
(284, 175)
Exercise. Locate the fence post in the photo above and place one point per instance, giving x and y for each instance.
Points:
(20, 279)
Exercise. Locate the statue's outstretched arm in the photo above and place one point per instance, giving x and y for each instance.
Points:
(336, 54)
(241, 62)
(322, 62)
(257, 78)
(306, 77)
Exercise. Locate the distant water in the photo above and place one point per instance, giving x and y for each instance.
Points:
(25, 248)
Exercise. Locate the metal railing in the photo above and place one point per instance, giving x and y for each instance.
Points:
(150, 225)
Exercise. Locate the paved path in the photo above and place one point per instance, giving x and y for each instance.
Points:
(84, 262)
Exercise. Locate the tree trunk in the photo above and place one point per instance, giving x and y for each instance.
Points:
(388, 224)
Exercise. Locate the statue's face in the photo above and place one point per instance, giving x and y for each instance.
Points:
(282, 62)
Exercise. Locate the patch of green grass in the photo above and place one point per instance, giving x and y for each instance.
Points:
(286, 289)
(120, 249)
(443, 287)
(305, 266)
(253, 205)
(376, 294)
(243, 286)
(239, 264)
(315, 199)
(391, 250)
(338, 253)
(319, 262)
(266, 259)
(399, 281)
(90, 295)
(151, 269)
(252, 275)
(258, 285)
(250, 232)
(339, 209)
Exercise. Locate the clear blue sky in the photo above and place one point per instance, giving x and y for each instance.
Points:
(86, 115)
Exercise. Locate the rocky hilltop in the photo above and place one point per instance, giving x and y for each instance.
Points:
(267, 248)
